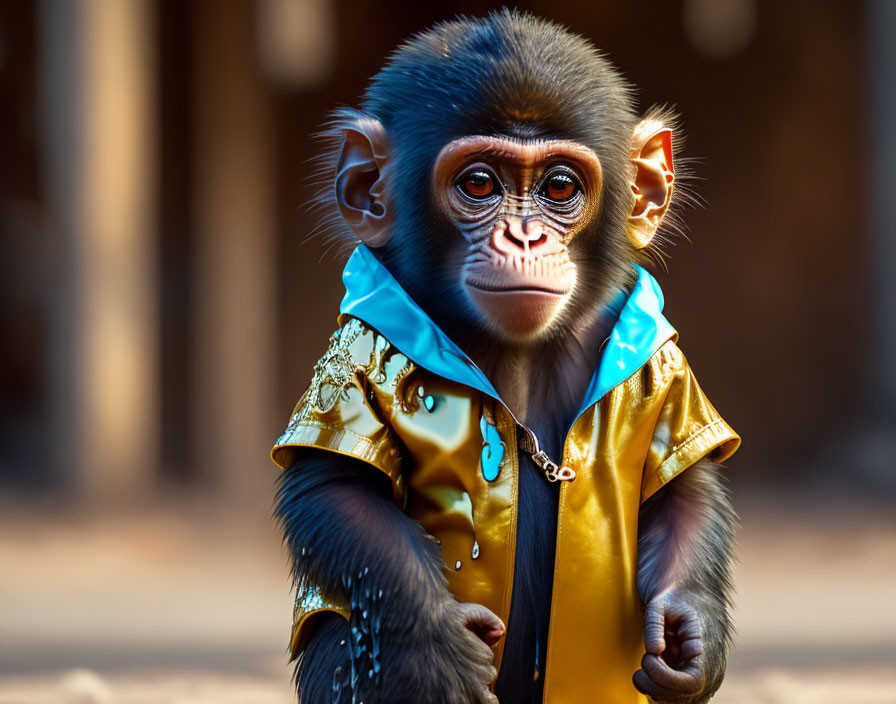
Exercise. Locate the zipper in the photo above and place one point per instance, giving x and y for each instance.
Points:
(527, 441)
(553, 472)
(560, 504)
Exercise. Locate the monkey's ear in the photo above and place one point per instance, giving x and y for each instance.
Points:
(652, 182)
(360, 181)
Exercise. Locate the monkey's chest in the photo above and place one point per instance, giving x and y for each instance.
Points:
(556, 563)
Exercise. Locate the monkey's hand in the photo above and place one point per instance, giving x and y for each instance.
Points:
(482, 622)
(407, 639)
(445, 659)
(674, 668)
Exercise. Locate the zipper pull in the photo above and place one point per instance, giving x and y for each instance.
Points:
(552, 471)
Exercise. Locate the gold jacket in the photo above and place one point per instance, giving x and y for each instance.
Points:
(451, 451)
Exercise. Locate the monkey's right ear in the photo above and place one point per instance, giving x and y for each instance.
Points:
(361, 183)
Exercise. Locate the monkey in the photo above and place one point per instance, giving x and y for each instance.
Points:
(503, 483)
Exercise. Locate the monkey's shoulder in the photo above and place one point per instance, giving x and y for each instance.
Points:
(660, 370)
(667, 362)
(357, 357)
(347, 405)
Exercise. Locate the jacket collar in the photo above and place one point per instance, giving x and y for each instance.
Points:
(373, 295)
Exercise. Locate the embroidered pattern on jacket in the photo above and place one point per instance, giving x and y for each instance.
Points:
(334, 373)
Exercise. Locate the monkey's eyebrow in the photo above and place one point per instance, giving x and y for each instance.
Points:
(528, 155)
(496, 152)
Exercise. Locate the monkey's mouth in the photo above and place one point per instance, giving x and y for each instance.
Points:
(520, 309)
(491, 271)
(519, 296)
(491, 287)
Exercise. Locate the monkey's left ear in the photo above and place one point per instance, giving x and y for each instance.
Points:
(652, 182)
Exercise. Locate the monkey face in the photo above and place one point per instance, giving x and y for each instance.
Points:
(519, 205)
(499, 171)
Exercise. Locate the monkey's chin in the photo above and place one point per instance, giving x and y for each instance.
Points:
(518, 314)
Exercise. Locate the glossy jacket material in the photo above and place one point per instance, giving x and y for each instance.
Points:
(393, 391)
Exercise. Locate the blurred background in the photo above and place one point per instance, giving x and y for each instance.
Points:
(162, 305)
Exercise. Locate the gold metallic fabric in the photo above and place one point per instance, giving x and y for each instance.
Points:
(309, 605)
(368, 401)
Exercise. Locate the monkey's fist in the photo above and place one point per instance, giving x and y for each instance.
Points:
(676, 666)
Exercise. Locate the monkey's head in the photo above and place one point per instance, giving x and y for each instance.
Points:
(498, 169)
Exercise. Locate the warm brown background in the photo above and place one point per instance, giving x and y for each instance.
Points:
(161, 307)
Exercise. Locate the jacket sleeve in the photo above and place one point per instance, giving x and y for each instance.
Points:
(347, 407)
(688, 427)
(311, 605)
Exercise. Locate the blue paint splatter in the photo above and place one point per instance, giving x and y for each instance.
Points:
(492, 450)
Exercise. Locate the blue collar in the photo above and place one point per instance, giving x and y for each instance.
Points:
(373, 295)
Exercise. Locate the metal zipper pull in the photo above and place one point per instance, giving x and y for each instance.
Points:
(528, 442)
(553, 471)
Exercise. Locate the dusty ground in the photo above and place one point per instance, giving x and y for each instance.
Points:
(177, 606)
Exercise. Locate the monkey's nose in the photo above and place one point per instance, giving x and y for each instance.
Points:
(511, 236)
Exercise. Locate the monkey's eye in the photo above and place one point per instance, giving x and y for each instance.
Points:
(559, 188)
(477, 184)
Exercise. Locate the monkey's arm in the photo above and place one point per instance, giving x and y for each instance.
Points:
(407, 640)
(684, 578)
